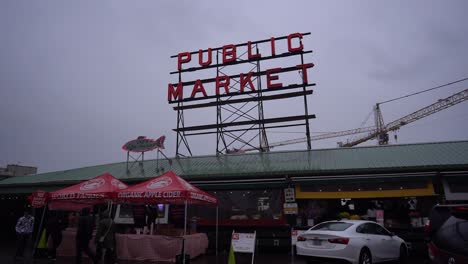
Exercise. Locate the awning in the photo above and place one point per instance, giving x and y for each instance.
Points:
(167, 188)
(338, 192)
(97, 190)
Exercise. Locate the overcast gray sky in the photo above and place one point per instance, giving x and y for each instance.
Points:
(80, 78)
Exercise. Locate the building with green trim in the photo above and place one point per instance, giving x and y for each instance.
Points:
(250, 186)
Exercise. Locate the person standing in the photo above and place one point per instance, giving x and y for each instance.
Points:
(24, 228)
(84, 234)
(371, 214)
(54, 232)
(105, 239)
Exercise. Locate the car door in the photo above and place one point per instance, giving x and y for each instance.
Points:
(390, 246)
(372, 241)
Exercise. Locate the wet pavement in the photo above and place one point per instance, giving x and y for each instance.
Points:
(7, 251)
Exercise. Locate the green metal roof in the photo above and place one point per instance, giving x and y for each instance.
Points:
(340, 161)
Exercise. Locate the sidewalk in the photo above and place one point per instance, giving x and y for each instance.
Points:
(7, 252)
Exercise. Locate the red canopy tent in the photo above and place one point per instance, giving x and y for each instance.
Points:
(168, 188)
(100, 189)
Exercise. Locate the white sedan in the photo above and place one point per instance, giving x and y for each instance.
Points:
(355, 241)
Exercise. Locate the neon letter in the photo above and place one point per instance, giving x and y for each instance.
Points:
(198, 87)
(273, 51)
(249, 52)
(295, 35)
(200, 58)
(183, 57)
(229, 50)
(304, 68)
(176, 94)
(272, 78)
(244, 81)
(222, 81)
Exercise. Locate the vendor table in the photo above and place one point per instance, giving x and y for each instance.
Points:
(143, 247)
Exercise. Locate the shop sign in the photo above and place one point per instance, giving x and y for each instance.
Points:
(39, 199)
(243, 242)
(295, 234)
(290, 208)
(143, 144)
(289, 195)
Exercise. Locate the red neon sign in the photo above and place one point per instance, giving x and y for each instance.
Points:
(196, 89)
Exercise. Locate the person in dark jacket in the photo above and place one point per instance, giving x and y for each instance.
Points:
(84, 234)
(54, 228)
(105, 239)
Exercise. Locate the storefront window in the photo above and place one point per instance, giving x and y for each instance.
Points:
(246, 206)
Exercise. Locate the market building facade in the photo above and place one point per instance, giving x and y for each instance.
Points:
(397, 185)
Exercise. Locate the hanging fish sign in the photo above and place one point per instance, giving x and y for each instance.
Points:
(143, 144)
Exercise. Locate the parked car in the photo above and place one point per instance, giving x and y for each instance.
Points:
(448, 234)
(355, 241)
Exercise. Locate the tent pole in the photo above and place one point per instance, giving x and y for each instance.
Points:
(39, 233)
(216, 230)
(110, 209)
(185, 219)
(185, 232)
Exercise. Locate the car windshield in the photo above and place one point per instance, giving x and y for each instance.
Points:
(332, 226)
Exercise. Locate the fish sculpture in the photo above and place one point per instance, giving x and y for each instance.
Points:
(143, 144)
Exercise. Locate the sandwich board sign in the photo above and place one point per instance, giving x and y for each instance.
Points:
(244, 243)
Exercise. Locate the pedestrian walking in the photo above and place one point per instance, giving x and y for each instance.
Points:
(84, 234)
(54, 228)
(105, 239)
(24, 228)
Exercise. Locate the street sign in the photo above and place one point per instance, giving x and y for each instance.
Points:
(289, 195)
(290, 208)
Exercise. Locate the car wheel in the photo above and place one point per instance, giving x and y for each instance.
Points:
(365, 257)
(403, 255)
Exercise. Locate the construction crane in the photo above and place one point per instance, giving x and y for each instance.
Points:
(380, 130)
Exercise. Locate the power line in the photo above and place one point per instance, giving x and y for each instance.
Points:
(440, 86)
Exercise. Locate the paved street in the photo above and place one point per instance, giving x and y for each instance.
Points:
(7, 251)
